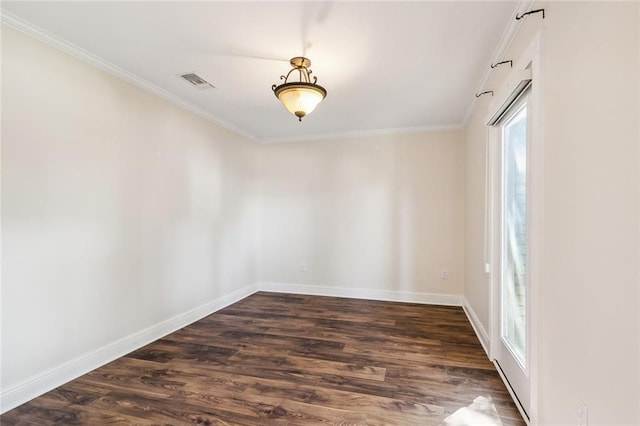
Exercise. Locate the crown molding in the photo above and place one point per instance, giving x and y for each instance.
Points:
(365, 133)
(501, 49)
(57, 42)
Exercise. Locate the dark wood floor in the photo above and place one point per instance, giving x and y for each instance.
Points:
(291, 359)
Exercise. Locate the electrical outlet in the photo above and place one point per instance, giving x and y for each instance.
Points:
(303, 267)
(582, 413)
(444, 274)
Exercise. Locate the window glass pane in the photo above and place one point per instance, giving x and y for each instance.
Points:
(515, 234)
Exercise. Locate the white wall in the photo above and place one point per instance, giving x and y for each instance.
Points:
(381, 215)
(476, 284)
(119, 210)
(589, 302)
(588, 295)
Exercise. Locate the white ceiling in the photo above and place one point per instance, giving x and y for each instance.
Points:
(397, 65)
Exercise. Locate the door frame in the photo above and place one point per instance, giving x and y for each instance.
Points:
(502, 353)
(530, 65)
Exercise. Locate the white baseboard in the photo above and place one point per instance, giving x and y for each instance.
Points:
(363, 293)
(57, 376)
(482, 334)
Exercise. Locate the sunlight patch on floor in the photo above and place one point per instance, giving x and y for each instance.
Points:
(481, 412)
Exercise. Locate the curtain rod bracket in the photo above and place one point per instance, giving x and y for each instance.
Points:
(519, 17)
(503, 62)
(484, 93)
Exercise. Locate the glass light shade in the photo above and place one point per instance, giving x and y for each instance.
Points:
(300, 98)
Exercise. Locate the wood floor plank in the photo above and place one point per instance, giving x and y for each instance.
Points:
(147, 378)
(296, 360)
(307, 365)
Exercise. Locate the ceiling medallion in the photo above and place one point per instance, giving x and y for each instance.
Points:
(302, 96)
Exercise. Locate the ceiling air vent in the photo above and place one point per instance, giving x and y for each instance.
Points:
(197, 81)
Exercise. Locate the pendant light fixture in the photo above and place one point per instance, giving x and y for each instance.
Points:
(302, 96)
